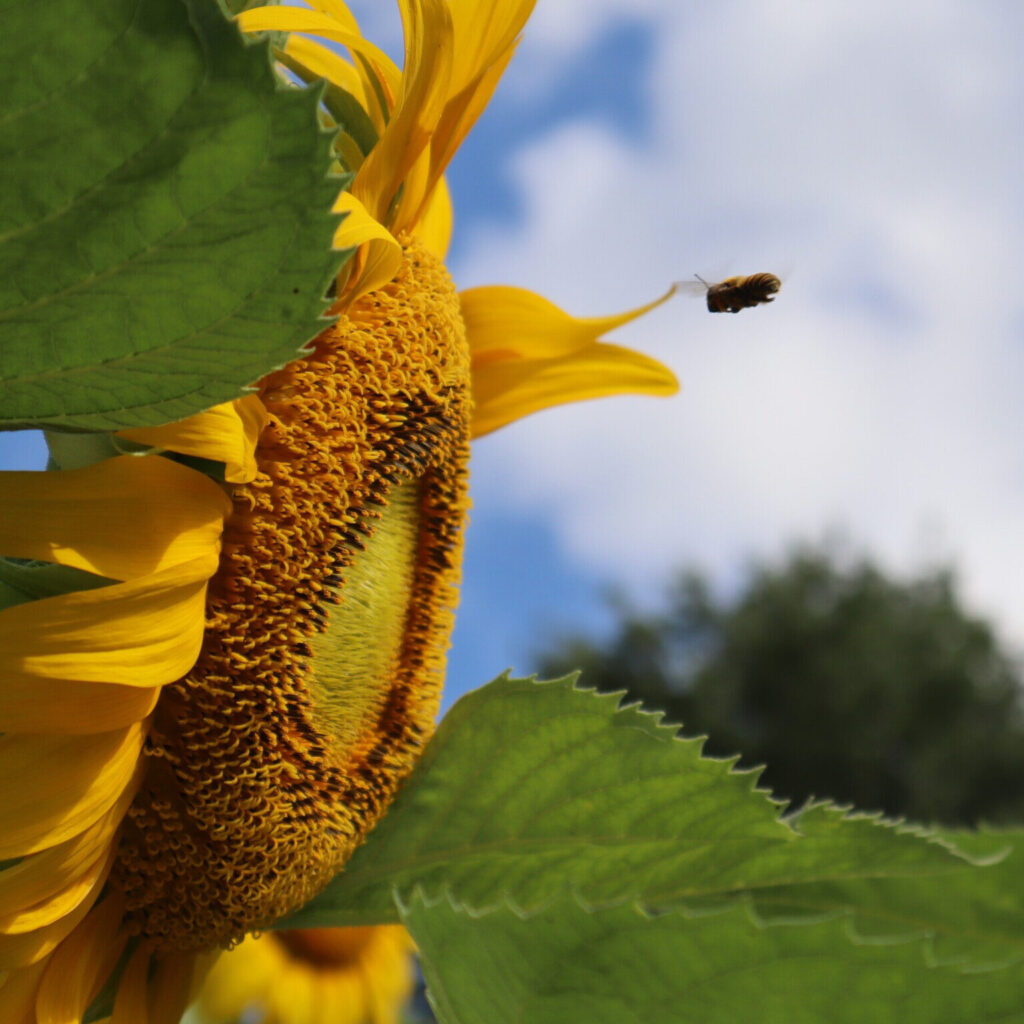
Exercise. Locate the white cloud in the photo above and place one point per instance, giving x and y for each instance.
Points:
(873, 149)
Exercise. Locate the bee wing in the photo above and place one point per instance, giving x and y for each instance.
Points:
(696, 289)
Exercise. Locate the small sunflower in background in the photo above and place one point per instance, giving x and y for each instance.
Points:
(361, 975)
(201, 727)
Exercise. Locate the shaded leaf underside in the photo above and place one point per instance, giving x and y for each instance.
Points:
(620, 966)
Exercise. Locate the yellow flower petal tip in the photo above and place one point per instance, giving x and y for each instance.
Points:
(528, 355)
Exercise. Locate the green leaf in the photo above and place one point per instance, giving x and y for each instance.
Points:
(529, 790)
(622, 966)
(165, 224)
(973, 916)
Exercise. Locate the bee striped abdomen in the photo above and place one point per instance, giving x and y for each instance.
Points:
(736, 293)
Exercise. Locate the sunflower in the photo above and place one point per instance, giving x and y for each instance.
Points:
(314, 976)
(223, 643)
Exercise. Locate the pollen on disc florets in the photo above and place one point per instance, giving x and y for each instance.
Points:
(313, 696)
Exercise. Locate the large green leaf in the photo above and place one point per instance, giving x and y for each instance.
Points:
(622, 966)
(165, 221)
(529, 790)
(971, 917)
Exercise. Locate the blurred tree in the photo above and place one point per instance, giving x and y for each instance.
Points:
(845, 683)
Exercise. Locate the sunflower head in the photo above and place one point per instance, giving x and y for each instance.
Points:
(327, 625)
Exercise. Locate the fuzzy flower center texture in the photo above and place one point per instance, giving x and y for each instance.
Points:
(327, 626)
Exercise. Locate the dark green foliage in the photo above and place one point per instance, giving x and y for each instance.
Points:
(621, 966)
(845, 683)
(165, 225)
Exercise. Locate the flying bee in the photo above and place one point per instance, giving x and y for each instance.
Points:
(736, 293)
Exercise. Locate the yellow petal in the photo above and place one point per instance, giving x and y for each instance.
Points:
(527, 355)
(130, 1004)
(94, 660)
(174, 984)
(338, 11)
(435, 226)
(123, 517)
(18, 994)
(484, 39)
(18, 951)
(329, 65)
(31, 704)
(509, 323)
(460, 114)
(55, 787)
(380, 254)
(60, 904)
(226, 433)
(42, 875)
(508, 391)
(484, 33)
(428, 59)
(77, 971)
(142, 633)
(120, 518)
(297, 19)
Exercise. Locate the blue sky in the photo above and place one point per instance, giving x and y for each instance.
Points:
(869, 153)
(520, 586)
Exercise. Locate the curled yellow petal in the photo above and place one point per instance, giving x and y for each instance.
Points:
(528, 355)
(299, 19)
(428, 61)
(327, 64)
(507, 391)
(226, 433)
(484, 33)
(55, 787)
(142, 633)
(379, 256)
(503, 323)
(59, 904)
(337, 10)
(93, 661)
(44, 875)
(484, 41)
(31, 947)
(121, 518)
